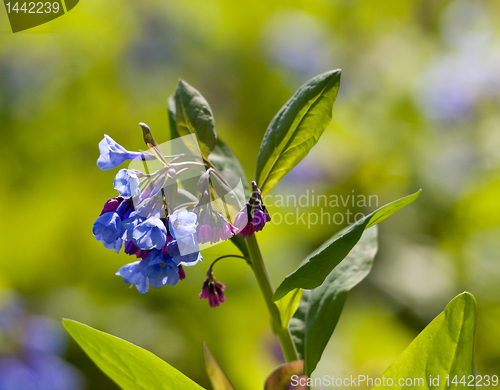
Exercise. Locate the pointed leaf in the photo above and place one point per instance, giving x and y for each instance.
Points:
(296, 129)
(444, 348)
(194, 116)
(217, 377)
(321, 309)
(288, 305)
(281, 378)
(172, 117)
(128, 365)
(317, 266)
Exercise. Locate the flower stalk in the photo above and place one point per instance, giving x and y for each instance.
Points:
(266, 287)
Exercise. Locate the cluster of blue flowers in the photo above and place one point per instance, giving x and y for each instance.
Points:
(163, 243)
(30, 352)
(164, 238)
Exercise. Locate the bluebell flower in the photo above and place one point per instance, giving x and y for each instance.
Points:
(113, 154)
(108, 228)
(116, 246)
(182, 226)
(127, 183)
(161, 270)
(130, 224)
(150, 234)
(131, 275)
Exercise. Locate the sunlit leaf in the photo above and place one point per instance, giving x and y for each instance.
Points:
(317, 266)
(445, 348)
(194, 116)
(281, 378)
(217, 377)
(314, 322)
(130, 366)
(296, 128)
(288, 305)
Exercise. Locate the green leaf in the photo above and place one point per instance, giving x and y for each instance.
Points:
(217, 377)
(444, 348)
(194, 116)
(131, 367)
(281, 378)
(228, 164)
(296, 128)
(318, 265)
(288, 305)
(172, 118)
(313, 324)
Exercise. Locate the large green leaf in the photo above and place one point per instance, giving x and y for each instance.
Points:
(445, 348)
(131, 367)
(217, 377)
(296, 128)
(228, 164)
(194, 116)
(317, 266)
(319, 311)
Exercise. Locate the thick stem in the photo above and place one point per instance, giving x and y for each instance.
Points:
(260, 271)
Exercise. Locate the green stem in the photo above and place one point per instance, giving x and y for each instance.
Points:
(260, 271)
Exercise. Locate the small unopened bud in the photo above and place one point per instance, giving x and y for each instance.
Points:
(213, 291)
(111, 205)
(182, 274)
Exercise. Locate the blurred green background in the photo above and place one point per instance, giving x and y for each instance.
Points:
(418, 107)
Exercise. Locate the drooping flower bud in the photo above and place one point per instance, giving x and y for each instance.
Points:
(213, 291)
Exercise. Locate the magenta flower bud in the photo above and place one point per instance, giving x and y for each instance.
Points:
(247, 231)
(213, 291)
(259, 220)
(111, 205)
(182, 274)
(266, 214)
(205, 293)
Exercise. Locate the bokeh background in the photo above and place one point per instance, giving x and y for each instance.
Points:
(418, 107)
